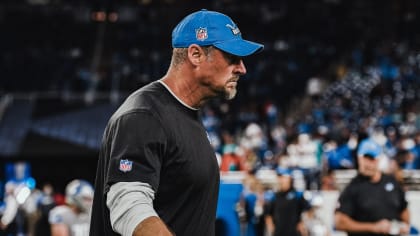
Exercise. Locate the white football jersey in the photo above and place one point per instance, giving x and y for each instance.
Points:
(78, 224)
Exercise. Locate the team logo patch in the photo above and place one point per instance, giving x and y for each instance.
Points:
(290, 196)
(389, 187)
(126, 165)
(201, 34)
(234, 28)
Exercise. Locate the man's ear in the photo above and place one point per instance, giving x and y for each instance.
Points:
(195, 54)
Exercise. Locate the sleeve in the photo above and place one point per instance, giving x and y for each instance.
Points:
(129, 204)
(60, 215)
(136, 149)
(345, 201)
(269, 208)
(402, 200)
(10, 211)
(304, 204)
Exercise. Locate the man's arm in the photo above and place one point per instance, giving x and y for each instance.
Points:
(345, 223)
(405, 216)
(131, 210)
(10, 211)
(301, 228)
(270, 224)
(152, 226)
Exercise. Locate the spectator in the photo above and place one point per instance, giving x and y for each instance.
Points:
(328, 182)
(416, 150)
(230, 160)
(252, 201)
(255, 140)
(312, 219)
(397, 164)
(303, 152)
(407, 146)
(73, 219)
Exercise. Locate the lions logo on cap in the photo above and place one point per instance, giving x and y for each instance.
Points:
(235, 29)
(201, 34)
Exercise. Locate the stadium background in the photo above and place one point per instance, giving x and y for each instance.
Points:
(66, 65)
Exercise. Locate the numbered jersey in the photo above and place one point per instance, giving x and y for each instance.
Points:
(77, 224)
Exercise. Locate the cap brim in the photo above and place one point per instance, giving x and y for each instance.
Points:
(239, 47)
(369, 155)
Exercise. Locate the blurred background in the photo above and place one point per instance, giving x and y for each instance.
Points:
(333, 72)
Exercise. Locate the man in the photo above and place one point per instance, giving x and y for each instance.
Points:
(157, 172)
(73, 218)
(373, 203)
(19, 196)
(283, 213)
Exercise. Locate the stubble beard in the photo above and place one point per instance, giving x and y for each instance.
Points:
(230, 93)
(368, 172)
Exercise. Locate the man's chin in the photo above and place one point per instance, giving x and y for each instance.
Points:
(368, 174)
(229, 95)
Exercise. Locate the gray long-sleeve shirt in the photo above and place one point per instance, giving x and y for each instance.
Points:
(129, 204)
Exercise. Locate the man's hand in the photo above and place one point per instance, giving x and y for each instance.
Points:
(404, 229)
(382, 227)
(2, 226)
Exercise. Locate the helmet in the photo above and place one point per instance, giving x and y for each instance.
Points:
(79, 193)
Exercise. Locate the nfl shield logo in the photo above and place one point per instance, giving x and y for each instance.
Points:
(125, 165)
(201, 34)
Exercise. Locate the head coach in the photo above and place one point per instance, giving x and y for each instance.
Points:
(157, 172)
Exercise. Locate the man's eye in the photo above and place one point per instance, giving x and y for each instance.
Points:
(232, 59)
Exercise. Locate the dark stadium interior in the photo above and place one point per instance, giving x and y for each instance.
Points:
(66, 65)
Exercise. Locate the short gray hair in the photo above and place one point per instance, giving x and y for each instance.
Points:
(180, 54)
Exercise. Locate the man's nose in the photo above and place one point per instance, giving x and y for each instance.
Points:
(240, 68)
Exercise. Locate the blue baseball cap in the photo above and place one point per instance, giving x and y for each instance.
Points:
(206, 28)
(369, 148)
